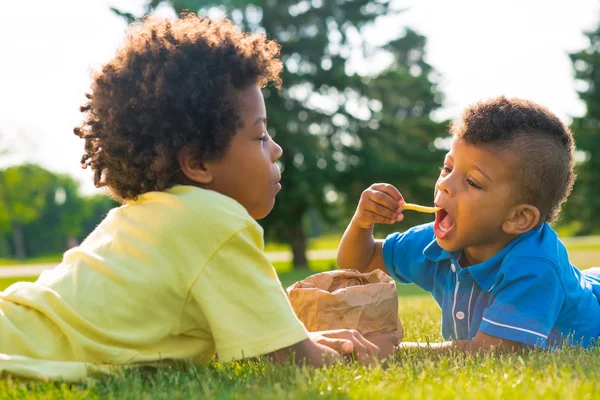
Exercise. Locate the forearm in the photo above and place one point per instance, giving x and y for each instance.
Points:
(473, 347)
(356, 248)
(435, 348)
(305, 352)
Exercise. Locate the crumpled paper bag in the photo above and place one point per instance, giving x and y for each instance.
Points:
(348, 299)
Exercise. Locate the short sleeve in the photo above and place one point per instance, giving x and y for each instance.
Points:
(404, 260)
(526, 301)
(246, 307)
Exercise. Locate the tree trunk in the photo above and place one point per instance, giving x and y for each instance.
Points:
(18, 240)
(298, 243)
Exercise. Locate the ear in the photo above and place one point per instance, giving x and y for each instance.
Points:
(192, 167)
(521, 218)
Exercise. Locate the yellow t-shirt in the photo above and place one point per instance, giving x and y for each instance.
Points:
(178, 274)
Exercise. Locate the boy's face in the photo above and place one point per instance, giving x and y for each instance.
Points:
(247, 172)
(476, 192)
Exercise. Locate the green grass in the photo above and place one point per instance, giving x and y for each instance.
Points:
(567, 374)
(314, 265)
(6, 282)
(325, 242)
(47, 259)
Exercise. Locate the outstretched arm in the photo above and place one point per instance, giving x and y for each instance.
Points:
(481, 343)
(327, 346)
(380, 203)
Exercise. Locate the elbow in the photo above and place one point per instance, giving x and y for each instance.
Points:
(341, 262)
(346, 263)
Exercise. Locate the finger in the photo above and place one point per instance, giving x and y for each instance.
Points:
(370, 349)
(385, 200)
(360, 353)
(347, 347)
(390, 190)
(376, 206)
(380, 210)
(380, 219)
(338, 344)
(351, 337)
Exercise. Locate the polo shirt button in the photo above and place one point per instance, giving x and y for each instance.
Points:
(460, 315)
(452, 267)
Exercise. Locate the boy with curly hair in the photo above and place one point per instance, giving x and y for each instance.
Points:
(176, 129)
(496, 268)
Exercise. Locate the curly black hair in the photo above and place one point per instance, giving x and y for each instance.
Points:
(173, 84)
(542, 144)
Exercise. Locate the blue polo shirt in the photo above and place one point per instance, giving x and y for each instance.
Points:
(529, 292)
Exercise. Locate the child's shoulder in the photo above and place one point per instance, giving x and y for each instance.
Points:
(188, 210)
(542, 243)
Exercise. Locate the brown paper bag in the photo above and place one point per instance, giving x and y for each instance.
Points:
(348, 299)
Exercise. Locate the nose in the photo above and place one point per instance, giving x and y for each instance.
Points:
(443, 184)
(277, 151)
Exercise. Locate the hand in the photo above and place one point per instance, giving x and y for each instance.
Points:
(348, 342)
(386, 342)
(381, 203)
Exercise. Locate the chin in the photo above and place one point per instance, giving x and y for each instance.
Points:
(260, 214)
(447, 245)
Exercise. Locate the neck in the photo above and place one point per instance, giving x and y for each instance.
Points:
(477, 254)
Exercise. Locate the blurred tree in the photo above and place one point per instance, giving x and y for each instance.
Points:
(397, 144)
(23, 194)
(42, 212)
(584, 203)
(59, 222)
(340, 130)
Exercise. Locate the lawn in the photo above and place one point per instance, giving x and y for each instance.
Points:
(584, 252)
(568, 374)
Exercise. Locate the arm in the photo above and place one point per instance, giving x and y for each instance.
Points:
(482, 343)
(307, 352)
(267, 325)
(380, 203)
(322, 348)
(359, 250)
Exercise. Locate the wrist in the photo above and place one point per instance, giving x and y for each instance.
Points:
(361, 226)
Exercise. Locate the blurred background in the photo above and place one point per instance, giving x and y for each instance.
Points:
(369, 89)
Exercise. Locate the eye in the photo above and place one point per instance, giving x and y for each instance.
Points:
(445, 170)
(471, 183)
(264, 138)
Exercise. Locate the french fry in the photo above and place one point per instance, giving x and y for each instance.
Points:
(423, 209)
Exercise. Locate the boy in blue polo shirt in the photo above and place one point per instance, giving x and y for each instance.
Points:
(492, 262)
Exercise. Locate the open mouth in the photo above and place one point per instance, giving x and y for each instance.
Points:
(443, 225)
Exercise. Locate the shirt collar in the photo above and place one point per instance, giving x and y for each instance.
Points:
(435, 253)
(483, 273)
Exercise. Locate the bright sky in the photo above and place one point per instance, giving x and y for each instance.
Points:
(481, 49)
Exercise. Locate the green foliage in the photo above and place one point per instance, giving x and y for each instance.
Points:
(59, 220)
(23, 192)
(340, 131)
(43, 213)
(584, 203)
